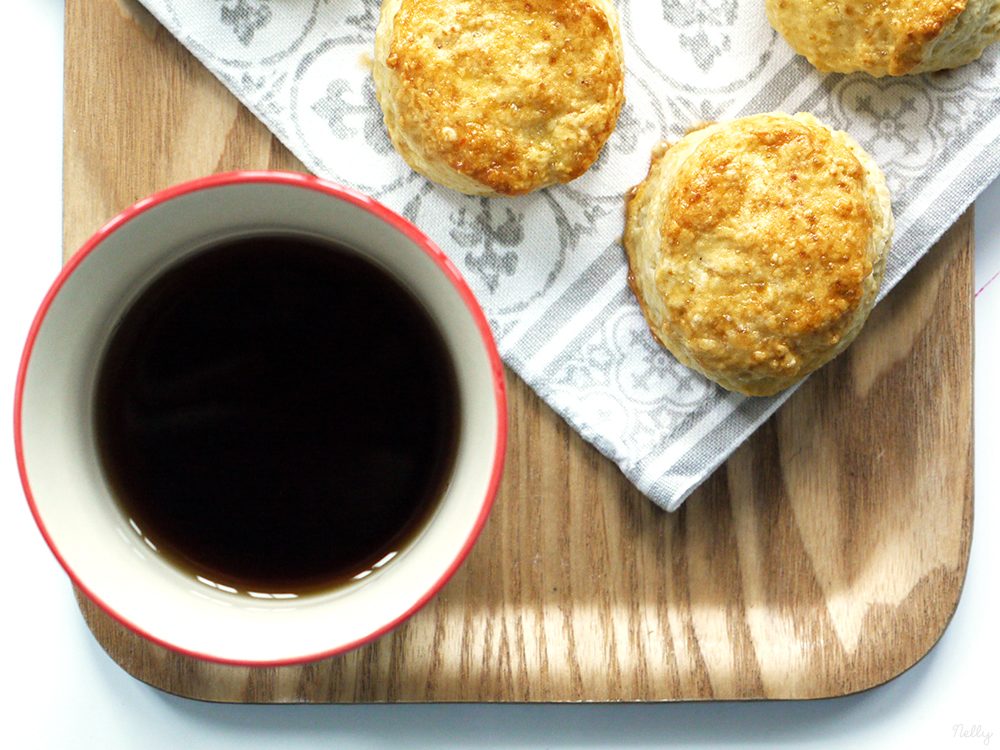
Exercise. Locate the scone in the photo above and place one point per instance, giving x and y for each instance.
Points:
(892, 37)
(499, 96)
(756, 248)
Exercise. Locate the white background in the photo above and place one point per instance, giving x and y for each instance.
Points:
(59, 690)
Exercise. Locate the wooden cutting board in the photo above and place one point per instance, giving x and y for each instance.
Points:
(826, 556)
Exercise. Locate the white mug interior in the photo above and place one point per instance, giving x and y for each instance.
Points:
(110, 558)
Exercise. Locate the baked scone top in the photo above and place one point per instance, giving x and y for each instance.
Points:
(887, 37)
(756, 248)
(513, 94)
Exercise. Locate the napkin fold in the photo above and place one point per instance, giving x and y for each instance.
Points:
(548, 268)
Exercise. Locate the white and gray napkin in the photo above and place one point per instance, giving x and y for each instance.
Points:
(548, 268)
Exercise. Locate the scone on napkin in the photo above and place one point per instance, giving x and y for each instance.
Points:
(756, 248)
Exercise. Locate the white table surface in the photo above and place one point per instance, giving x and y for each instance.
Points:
(59, 690)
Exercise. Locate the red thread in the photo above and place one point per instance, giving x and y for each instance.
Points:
(992, 279)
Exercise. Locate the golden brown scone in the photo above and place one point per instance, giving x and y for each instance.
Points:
(756, 248)
(890, 37)
(499, 96)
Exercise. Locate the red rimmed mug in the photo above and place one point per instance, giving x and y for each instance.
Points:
(61, 473)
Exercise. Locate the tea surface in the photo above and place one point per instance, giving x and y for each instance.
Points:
(277, 415)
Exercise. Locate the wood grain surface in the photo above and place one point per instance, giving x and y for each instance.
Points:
(825, 557)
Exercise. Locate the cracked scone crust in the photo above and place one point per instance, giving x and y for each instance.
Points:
(890, 37)
(756, 248)
(499, 96)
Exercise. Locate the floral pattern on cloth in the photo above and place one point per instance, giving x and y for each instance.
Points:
(548, 268)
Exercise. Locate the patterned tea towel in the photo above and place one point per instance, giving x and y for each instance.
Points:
(548, 268)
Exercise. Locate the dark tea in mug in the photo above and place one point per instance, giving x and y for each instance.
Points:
(277, 414)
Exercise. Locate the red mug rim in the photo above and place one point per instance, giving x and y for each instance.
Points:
(376, 209)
